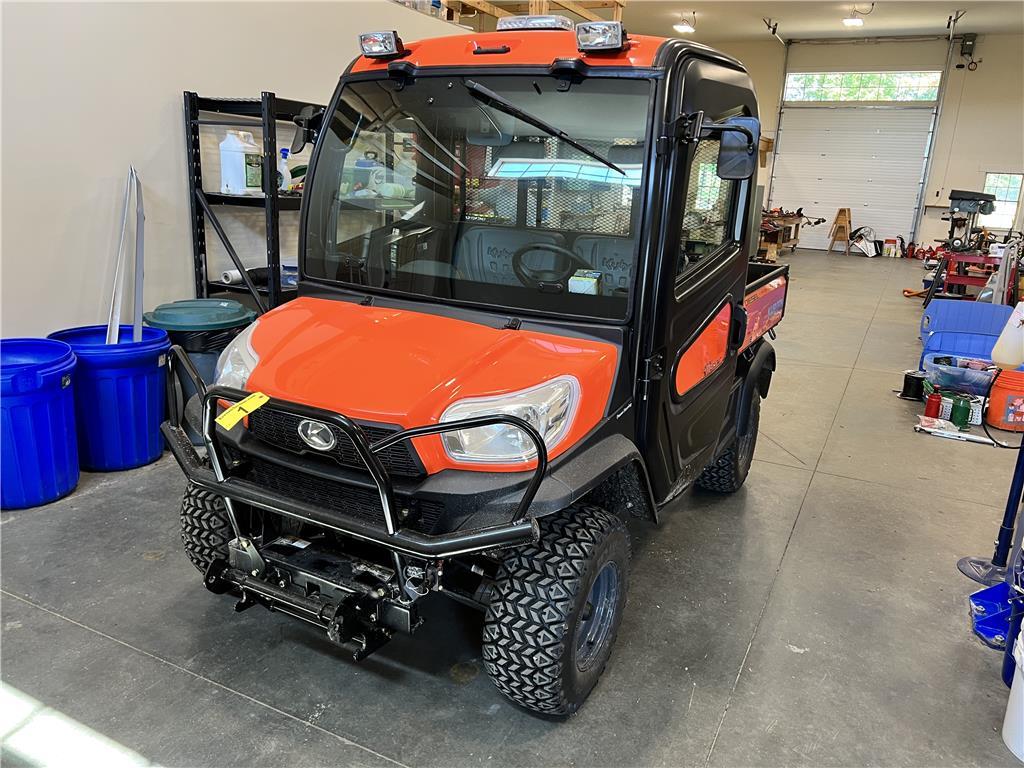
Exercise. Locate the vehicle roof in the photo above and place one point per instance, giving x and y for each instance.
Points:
(533, 47)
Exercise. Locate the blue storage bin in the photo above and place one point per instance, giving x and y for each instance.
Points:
(964, 317)
(39, 461)
(953, 378)
(119, 396)
(955, 344)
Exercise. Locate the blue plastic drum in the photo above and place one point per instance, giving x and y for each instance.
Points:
(39, 461)
(119, 396)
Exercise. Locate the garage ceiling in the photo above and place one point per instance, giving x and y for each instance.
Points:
(742, 20)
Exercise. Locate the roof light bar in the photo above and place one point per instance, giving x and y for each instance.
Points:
(600, 36)
(381, 45)
(550, 21)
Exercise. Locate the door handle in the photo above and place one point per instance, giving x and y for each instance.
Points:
(739, 327)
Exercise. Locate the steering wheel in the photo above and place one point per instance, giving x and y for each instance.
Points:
(547, 279)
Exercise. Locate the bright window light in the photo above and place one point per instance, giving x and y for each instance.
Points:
(1006, 187)
(709, 186)
(573, 170)
(863, 86)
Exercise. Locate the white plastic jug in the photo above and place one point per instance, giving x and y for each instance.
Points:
(241, 165)
(1008, 352)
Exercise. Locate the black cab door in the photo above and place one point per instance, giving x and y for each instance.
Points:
(697, 319)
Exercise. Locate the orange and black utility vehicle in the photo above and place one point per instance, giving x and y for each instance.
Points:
(525, 314)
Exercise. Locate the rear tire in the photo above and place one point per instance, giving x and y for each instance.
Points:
(729, 471)
(555, 610)
(205, 527)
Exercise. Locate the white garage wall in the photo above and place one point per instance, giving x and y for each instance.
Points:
(89, 88)
(763, 60)
(980, 128)
(867, 57)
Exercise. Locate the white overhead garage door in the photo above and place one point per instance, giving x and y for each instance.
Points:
(867, 159)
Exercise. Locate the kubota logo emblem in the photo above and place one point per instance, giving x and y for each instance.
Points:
(316, 435)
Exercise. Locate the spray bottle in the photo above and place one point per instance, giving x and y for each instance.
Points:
(284, 176)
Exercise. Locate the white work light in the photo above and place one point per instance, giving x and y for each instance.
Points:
(379, 45)
(853, 21)
(548, 407)
(600, 36)
(552, 21)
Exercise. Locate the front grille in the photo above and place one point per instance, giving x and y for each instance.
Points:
(281, 430)
(352, 501)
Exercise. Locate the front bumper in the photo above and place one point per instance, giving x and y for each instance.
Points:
(516, 529)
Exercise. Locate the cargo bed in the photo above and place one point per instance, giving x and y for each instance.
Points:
(765, 299)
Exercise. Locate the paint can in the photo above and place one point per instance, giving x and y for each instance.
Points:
(933, 405)
(913, 385)
(960, 414)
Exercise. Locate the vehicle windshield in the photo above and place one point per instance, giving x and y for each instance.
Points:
(427, 188)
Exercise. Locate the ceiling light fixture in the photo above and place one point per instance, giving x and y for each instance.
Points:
(686, 27)
(855, 19)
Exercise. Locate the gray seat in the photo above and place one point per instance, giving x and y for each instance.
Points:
(484, 254)
(614, 257)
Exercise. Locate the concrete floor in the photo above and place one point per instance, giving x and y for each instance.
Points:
(815, 618)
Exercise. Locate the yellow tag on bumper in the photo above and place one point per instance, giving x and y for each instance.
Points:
(241, 409)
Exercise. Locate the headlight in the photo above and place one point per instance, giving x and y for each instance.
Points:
(236, 362)
(549, 408)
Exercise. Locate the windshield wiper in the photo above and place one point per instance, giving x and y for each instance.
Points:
(493, 100)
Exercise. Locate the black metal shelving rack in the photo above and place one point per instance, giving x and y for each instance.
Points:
(263, 114)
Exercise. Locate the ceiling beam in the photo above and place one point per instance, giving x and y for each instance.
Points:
(578, 9)
(485, 7)
(582, 8)
(589, 4)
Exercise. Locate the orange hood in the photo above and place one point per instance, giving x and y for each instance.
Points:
(396, 366)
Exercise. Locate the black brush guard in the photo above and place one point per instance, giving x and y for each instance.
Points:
(519, 530)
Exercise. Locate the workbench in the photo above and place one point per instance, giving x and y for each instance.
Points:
(786, 236)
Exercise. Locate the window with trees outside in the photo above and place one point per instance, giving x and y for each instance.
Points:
(862, 86)
(1006, 187)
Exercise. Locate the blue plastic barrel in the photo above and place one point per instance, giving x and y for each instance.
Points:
(39, 461)
(119, 396)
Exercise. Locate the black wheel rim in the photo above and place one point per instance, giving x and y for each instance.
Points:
(743, 449)
(745, 444)
(594, 627)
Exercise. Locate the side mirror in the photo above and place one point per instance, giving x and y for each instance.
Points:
(308, 123)
(737, 153)
(739, 137)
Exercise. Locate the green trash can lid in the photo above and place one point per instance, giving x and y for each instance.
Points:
(199, 315)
